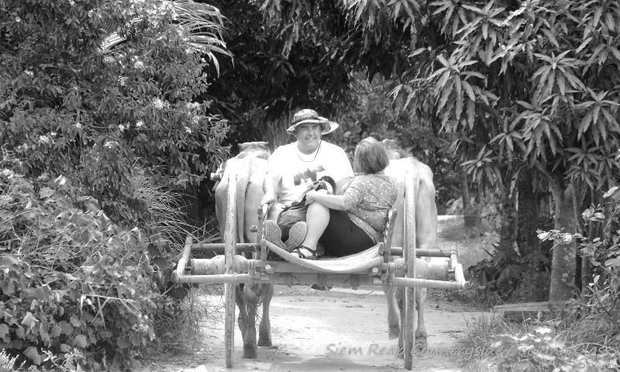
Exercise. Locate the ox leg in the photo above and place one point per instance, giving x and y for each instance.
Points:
(422, 271)
(243, 315)
(250, 349)
(393, 321)
(420, 332)
(264, 330)
(400, 301)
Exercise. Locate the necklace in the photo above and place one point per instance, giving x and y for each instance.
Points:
(312, 155)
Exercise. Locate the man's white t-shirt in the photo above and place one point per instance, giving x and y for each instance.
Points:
(298, 171)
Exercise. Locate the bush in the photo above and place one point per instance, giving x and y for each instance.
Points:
(108, 127)
(604, 254)
(585, 336)
(73, 286)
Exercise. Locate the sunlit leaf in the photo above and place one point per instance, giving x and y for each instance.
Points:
(32, 354)
(80, 341)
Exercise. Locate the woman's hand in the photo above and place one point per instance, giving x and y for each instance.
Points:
(311, 196)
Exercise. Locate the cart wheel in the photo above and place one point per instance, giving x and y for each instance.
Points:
(229, 323)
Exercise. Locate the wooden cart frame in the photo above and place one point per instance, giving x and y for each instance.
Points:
(232, 268)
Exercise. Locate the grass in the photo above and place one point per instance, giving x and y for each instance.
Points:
(179, 321)
(566, 343)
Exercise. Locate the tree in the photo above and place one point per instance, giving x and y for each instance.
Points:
(271, 77)
(560, 122)
(530, 88)
(76, 102)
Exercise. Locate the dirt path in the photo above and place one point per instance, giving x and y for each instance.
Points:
(338, 330)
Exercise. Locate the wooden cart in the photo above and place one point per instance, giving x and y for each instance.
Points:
(373, 267)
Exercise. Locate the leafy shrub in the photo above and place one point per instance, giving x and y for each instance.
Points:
(501, 279)
(586, 335)
(73, 286)
(604, 254)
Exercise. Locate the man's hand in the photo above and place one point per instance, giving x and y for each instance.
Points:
(268, 198)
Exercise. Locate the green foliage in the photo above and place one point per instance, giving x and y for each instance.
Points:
(6, 362)
(101, 102)
(369, 112)
(529, 84)
(502, 279)
(586, 336)
(72, 108)
(57, 307)
(278, 68)
(74, 288)
(604, 255)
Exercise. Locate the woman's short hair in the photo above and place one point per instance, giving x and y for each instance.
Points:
(370, 157)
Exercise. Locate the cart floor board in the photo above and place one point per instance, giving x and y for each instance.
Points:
(354, 263)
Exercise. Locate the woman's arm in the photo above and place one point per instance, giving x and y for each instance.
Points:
(330, 201)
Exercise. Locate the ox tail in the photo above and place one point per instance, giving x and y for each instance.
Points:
(243, 179)
(426, 228)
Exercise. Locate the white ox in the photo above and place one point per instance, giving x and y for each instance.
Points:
(250, 166)
(400, 166)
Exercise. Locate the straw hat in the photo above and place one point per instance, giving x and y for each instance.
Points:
(309, 116)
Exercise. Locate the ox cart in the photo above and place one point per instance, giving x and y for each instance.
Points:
(382, 265)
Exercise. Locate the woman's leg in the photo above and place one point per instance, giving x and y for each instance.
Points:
(317, 218)
(343, 237)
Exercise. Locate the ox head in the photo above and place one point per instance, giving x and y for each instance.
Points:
(249, 168)
(394, 151)
(258, 149)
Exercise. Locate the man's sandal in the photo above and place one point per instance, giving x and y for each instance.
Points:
(298, 251)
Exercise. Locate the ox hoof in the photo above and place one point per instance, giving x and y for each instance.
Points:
(394, 332)
(420, 343)
(250, 352)
(264, 341)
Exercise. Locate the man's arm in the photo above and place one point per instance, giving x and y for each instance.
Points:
(341, 168)
(270, 186)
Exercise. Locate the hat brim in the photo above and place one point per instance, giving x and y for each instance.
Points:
(327, 125)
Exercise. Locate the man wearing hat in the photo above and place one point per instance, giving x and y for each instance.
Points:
(293, 167)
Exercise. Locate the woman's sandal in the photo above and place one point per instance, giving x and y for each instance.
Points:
(311, 256)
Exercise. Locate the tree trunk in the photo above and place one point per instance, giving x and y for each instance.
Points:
(508, 229)
(471, 214)
(564, 251)
(528, 217)
(464, 188)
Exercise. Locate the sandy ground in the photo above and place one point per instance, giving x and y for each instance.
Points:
(337, 330)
